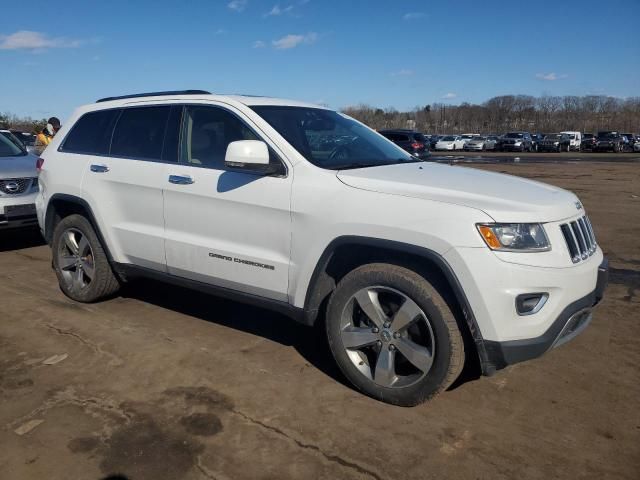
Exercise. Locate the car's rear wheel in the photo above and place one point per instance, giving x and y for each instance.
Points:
(80, 261)
(393, 335)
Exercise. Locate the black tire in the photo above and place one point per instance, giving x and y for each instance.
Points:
(104, 282)
(449, 357)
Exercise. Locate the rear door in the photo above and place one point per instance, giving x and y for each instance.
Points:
(226, 227)
(125, 186)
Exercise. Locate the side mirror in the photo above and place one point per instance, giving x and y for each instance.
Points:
(252, 155)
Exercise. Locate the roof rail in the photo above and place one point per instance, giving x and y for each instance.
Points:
(156, 94)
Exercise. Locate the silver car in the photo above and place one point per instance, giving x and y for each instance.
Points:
(18, 185)
(481, 143)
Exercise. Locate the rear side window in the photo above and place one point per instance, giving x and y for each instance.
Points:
(92, 133)
(139, 132)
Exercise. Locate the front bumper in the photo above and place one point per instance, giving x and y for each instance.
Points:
(512, 147)
(18, 211)
(569, 324)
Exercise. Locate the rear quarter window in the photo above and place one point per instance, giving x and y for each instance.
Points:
(91, 134)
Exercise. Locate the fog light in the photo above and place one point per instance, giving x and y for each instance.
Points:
(530, 303)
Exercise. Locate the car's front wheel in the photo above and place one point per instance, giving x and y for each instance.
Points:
(80, 262)
(393, 335)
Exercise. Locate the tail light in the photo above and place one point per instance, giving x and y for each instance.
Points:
(417, 145)
(39, 163)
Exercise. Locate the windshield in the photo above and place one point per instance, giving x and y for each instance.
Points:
(513, 135)
(448, 139)
(9, 148)
(331, 140)
(553, 136)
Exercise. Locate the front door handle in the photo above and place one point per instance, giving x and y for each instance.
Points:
(99, 168)
(181, 179)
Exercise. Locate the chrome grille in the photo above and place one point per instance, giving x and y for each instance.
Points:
(16, 186)
(580, 239)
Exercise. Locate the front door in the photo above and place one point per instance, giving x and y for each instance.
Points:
(224, 227)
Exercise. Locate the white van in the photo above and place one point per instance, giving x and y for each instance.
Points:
(576, 140)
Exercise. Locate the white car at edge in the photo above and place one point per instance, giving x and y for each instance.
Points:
(451, 142)
(412, 266)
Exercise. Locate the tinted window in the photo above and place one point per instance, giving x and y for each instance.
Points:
(139, 132)
(395, 137)
(92, 133)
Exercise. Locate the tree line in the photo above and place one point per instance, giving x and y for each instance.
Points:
(23, 124)
(546, 114)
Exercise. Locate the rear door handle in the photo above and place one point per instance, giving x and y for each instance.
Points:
(99, 168)
(181, 179)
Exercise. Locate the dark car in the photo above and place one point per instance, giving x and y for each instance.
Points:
(630, 140)
(28, 139)
(609, 141)
(413, 142)
(433, 140)
(555, 142)
(516, 142)
(536, 138)
(588, 141)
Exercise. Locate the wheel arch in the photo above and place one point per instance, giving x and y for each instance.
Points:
(345, 253)
(62, 205)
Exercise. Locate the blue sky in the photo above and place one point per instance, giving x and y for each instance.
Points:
(55, 56)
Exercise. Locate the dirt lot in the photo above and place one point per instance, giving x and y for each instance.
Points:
(163, 383)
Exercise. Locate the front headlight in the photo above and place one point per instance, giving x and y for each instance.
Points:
(515, 237)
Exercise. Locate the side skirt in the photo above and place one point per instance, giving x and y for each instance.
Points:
(131, 271)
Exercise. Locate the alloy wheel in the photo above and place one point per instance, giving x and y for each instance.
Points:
(387, 337)
(75, 259)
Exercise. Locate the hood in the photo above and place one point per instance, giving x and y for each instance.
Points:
(18, 167)
(505, 198)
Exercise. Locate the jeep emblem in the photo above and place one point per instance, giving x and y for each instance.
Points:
(578, 205)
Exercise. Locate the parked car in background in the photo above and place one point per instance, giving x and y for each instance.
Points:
(409, 140)
(575, 140)
(636, 146)
(516, 142)
(609, 141)
(630, 140)
(481, 143)
(536, 138)
(433, 140)
(9, 135)
(588, 141)
(450, 142)
(555, 142)
(28, 140)
(18, 185)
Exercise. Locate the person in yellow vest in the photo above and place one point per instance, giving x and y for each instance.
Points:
(46, 135)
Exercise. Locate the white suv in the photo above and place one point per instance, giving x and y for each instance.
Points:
(412, 266)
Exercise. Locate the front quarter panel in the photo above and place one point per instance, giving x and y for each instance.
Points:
(324, 208)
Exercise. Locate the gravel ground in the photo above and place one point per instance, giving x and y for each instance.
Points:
(166, 383)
